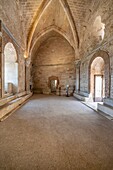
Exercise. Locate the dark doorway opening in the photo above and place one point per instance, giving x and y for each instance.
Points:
(53, 86)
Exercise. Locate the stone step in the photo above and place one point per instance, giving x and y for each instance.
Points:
(8, 95)
(108, 101)
(80, 97)
(105, 109)
(12, 105)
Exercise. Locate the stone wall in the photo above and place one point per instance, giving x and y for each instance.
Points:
(92, 39)
(55, 57)
(10, 14)
(92, 43)
(12, 31)
(85, 71)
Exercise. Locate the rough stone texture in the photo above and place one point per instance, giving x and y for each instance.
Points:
(91, 44)
(54, 58)
(51, 133)
(106, 109)
(79, 10)
(10, 15)
(12, 105)
(104, 9)
(29, 11)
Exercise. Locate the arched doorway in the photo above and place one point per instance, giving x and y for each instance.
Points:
(99, 76)
(97, 83)
(53, 83)
(10, 70)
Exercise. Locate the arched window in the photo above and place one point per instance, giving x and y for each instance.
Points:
(10, 69)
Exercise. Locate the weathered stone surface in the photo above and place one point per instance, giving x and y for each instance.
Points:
(106, 109)
(86, 25)
(54, 58)
(12, 105)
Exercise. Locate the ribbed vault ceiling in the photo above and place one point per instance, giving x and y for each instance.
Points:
(78, 8)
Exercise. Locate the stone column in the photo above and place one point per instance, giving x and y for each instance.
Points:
(77, 82)
(28, 75)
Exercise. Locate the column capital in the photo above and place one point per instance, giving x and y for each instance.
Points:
(78, 63)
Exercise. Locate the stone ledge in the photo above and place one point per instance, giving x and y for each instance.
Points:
(10, 98)
(12, 105)
(105, 109)
(8, 95)
(82, 93)
(81, 97)
(22, 94)
(108, 101)
(6, 100)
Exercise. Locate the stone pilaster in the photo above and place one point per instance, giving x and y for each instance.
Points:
(0, 58)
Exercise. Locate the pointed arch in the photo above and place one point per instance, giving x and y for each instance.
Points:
(104, 55)
(47, 31)
(71, 21)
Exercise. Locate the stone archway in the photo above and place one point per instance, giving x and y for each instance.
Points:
(52, 56)
(106, 59)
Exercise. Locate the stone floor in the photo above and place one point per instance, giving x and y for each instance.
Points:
(56, 133)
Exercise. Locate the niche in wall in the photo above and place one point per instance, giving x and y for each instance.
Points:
(99, 28)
